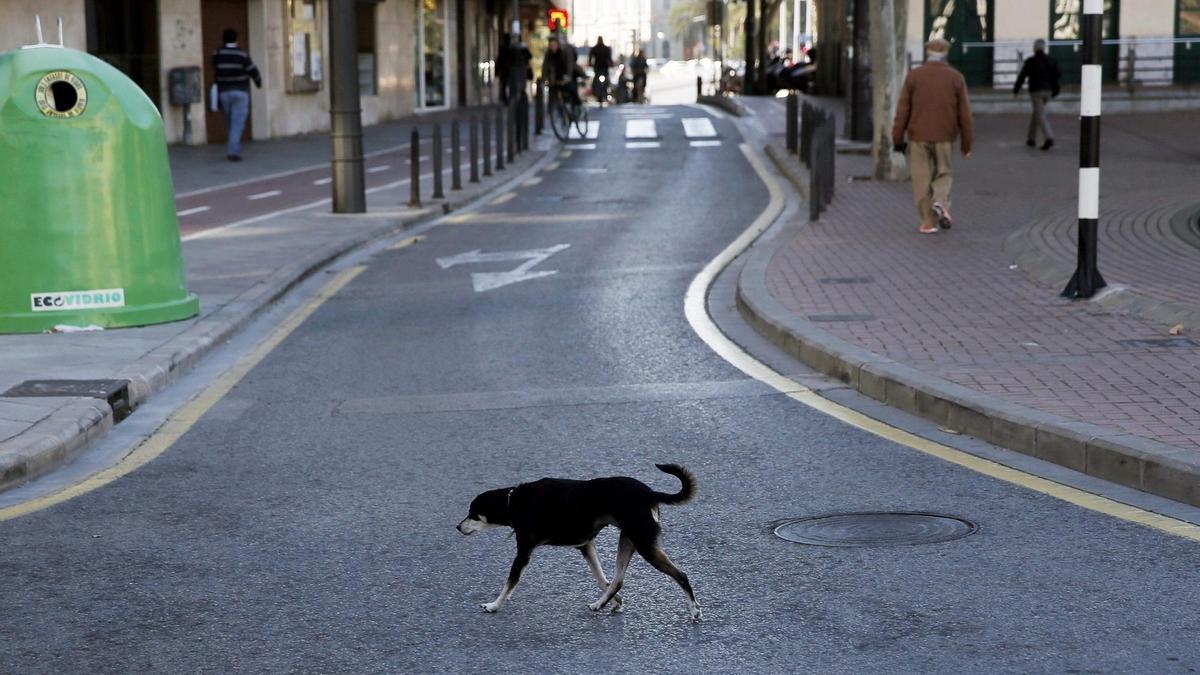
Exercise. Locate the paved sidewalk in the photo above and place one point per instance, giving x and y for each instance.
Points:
(237, 273)
(952, 323)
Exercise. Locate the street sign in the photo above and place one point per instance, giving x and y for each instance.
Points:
(486, 281)
(558, 19)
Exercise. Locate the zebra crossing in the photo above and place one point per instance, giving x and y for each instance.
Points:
(641, 132)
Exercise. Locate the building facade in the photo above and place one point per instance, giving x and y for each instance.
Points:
(413, 55)
(1152, 42)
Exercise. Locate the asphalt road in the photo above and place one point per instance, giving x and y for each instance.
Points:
(307, 522)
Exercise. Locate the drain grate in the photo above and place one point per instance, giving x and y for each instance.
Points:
(114, 392)
(875, 528)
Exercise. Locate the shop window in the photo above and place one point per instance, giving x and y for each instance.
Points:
(1065, 18)
(305, 71)
(1187, 55)
(368, 76)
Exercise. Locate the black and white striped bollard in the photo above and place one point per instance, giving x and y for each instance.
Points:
(1087, 279)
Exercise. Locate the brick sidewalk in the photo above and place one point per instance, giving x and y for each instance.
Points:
(951, 306)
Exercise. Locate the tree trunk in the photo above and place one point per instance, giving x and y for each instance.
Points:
(889, 20)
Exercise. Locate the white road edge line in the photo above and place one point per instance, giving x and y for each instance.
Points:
(265, 195)
(323, 181)
(188, 212)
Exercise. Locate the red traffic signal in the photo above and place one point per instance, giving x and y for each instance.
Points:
(558, 19)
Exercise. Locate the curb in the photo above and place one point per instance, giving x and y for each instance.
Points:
(727, 103)
(64, 434)
(1132, 461)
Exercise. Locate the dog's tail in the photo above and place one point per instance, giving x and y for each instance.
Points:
(685, 493)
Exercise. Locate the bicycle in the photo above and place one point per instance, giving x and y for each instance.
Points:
(564, 113)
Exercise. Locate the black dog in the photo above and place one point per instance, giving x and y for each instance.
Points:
(562, 512)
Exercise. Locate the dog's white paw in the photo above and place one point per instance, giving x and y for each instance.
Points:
(596, 606)
(490, 607)
(696, 613)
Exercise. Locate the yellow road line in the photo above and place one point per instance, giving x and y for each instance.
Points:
(536, 180)
(406, 242)
(565, 153)
(182, 420)
(697, 315)
(551, 166)
(504, 198)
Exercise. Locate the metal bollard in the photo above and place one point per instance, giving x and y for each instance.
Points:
(523, 119)
(414, 182)
(539, 109)
(500, 138)
(437, 162)
(806, 133)
(699, 87)
(487, 144)
(510, 126)
(473, 135)
(792, 101)
(455, 156)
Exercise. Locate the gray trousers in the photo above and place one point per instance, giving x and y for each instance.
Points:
(1040, 100)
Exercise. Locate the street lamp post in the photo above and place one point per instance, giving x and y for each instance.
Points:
(345, 111)
(1087, 279)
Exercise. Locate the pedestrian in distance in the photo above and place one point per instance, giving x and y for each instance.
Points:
(600, 59)
(640, 68)
(232, 72)
(1042, 72)
(933, 112)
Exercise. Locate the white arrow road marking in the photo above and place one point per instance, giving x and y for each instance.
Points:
(486, 281)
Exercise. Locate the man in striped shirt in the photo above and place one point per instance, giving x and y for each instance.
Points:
(233, 71)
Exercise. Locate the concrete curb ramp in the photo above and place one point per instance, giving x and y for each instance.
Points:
(1132, 461)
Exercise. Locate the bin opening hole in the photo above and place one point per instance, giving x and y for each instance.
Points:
(63, 96)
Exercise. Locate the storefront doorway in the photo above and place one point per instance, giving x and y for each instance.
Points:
(1187, 56)
(959, 22)
(215, 17)
(1064, 25)
(125, 34)
(432, 45)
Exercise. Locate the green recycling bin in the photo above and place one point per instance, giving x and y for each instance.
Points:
(88, 231)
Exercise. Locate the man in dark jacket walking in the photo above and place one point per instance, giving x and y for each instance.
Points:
(233, 71)
(1042, 72)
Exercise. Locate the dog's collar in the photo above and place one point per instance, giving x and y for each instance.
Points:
(508, 498)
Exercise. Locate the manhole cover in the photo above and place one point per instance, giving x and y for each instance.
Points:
(875, 529)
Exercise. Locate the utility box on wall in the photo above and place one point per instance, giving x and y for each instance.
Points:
(88, 231)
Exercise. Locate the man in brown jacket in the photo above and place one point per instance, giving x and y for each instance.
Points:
(933, 111)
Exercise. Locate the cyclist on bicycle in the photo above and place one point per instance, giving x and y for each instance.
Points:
(559, 70)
